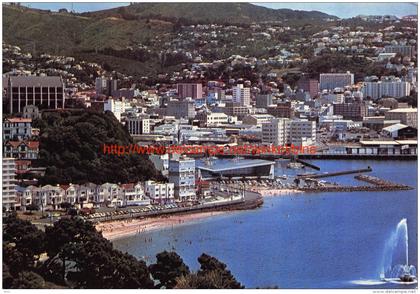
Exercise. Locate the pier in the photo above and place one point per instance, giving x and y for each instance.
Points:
(333, 174)
(313, 166)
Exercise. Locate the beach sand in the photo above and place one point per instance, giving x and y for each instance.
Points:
(123, 228)
(265, 192)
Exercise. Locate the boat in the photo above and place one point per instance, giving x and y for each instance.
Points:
(407, 278)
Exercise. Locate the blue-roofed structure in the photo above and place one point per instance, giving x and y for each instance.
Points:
(234, 168)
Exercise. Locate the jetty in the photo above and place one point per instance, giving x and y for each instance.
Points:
(333, 174)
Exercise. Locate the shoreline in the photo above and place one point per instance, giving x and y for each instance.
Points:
(124, 228)
(276, 192)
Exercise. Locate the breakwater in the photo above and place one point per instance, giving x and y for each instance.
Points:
(333, 174)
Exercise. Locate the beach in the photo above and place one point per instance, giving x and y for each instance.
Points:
(275, 192)
(118, 229)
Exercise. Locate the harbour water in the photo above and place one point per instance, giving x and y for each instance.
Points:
(320, 240)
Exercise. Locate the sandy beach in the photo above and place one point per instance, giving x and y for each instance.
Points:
(275, 192)
(119, 229)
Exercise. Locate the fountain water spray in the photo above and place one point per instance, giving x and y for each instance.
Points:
(395, 259)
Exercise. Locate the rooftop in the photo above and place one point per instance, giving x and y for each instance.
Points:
(36, 81)
(223, 165)
(404, 110)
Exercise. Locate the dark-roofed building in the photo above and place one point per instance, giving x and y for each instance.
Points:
(44, 92)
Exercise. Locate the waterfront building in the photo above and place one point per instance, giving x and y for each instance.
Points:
(276, 131)
(44, 92)
(330, 81)
(182, 175)
(407, 116)
(236, 169)
(302, 132)
(8, 183)
(133, 195)
(159, 193)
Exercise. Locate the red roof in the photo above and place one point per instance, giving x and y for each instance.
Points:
(31, 144)
(127, 186)
(19, 120)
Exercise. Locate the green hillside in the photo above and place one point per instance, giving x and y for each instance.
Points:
(212, 12)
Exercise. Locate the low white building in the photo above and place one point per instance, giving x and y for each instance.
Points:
(159, 193)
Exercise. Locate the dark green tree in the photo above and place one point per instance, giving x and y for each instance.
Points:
(168, 267)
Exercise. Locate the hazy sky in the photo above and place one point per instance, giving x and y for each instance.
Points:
(342, 10)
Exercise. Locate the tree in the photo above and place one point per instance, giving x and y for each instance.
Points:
(168, 267)
(213, 274)
(22, 243)
(88, 260)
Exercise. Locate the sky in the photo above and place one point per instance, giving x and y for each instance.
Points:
(342, 10)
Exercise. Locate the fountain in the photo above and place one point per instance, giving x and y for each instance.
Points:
(395, 263)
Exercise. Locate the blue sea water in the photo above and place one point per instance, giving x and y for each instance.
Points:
(327, 240)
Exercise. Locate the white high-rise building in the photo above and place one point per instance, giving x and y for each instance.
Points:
(182, 175)
(282, 131)
(241, 95)
(390, 87)
(302, 132)
(330, 81)
(8, 182)
(276, 131)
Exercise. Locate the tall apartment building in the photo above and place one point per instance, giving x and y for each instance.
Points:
(182, 175)
(404, 50)
(353, 111)
(181, 109)
(387, 86)
(105, 86)
(276, 131)
(283, 109)
(16, 128)
(302, 132)
(190, 90)
(241, 95)
(44, 92)
(283, 131)
(138, 125)
(263, 100)
(407, 116)
(8, 183)
(330, 81)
